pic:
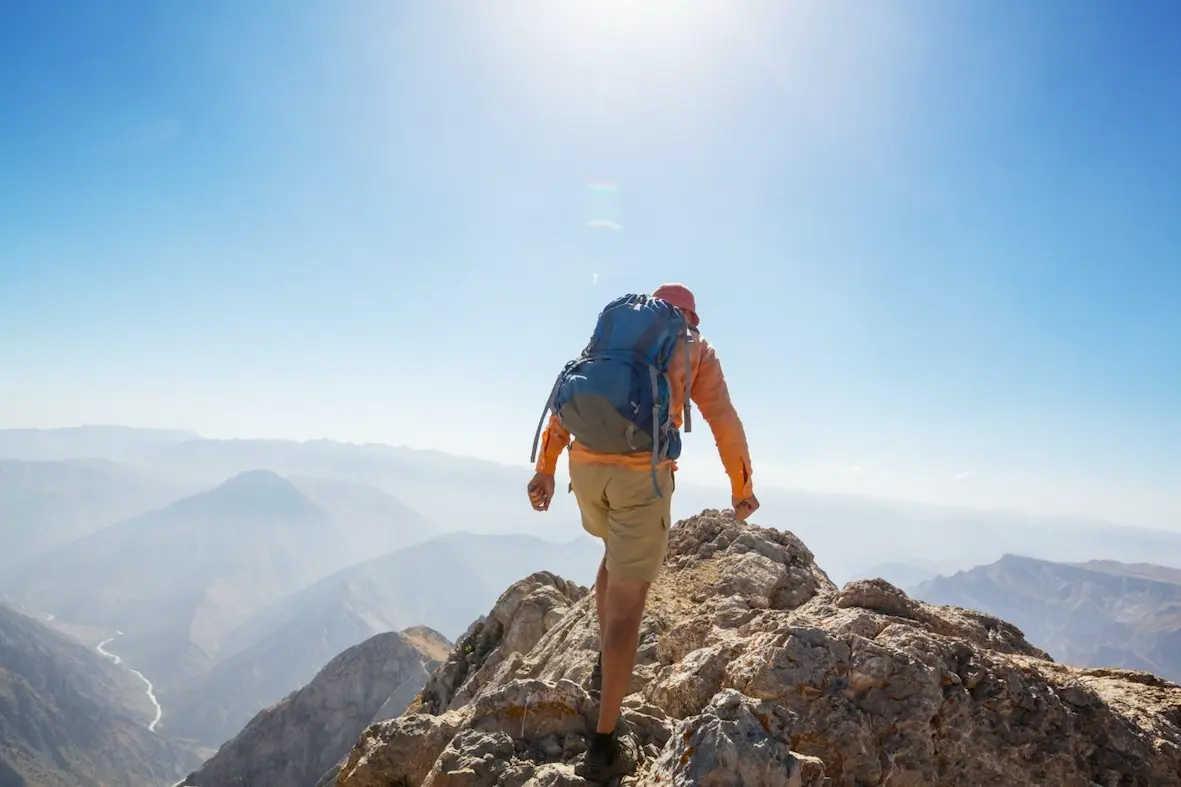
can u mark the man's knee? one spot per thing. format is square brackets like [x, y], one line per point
[625, 601]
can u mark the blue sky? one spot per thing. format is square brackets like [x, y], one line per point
[938, 245]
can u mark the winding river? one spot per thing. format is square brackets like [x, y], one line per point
[147, 683]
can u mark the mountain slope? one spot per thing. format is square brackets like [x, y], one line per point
[178, 579]
[1096, 614]
[67, 717]
[444, 583]
[295, 742]
[44, 504]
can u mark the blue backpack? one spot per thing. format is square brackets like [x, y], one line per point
[615, 397]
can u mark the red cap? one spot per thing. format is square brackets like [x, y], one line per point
[680, 296]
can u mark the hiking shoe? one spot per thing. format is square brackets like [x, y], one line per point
[614, 759]
[596, 679]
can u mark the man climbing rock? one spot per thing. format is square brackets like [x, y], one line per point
[622, 402]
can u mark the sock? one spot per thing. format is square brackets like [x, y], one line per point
[602, 742]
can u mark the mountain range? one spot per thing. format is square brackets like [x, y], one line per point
[850, 534]
[176, 580]
[447, 581]
[231, 597]
[229, 573]
[45, 504]
[1101, 613]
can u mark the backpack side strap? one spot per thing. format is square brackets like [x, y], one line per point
[688, 404]
[549, 404]
[657, 428]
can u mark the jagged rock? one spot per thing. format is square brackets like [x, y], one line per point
[400, 751]
[753, 668]
[532, 709]
[689, 685]
[520, 617]
[472, 759]
[734, 742]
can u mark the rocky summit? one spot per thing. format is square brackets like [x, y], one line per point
[755, 669]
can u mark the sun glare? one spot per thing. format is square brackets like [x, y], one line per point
[662, 23]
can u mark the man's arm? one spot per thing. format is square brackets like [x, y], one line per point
[553, 441]
[710, 393]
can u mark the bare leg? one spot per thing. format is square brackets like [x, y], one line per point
[601, 580]
[624, 612]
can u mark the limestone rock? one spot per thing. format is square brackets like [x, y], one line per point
[519, 619]
[753, 668]
[400, 751]
[734, 742]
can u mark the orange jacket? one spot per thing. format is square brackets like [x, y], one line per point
[707, 390]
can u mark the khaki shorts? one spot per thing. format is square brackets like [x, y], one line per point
[620, 506]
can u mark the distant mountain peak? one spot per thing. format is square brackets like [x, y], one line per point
[257, 479]
[259, 492]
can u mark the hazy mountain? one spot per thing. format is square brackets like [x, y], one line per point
[69, 718]
[1095, 614]
[296, 741]
[371, 521]
[214, 705]
[445, 583]
[847, 533]
[176, 580]
[44, 504]
[440, 486]
[117, 443]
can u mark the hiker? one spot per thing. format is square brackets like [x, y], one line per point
[622, 463]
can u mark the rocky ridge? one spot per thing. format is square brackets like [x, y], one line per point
[300, 741]
[755, 669]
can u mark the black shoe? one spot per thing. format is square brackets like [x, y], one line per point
[609, 759]
[596, 679]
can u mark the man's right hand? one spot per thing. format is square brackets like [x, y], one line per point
[744, 506]
[541, 491]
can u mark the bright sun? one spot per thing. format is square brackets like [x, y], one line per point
[654, 22]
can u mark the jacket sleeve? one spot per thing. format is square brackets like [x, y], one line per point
[712, 397]
[553, 441]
